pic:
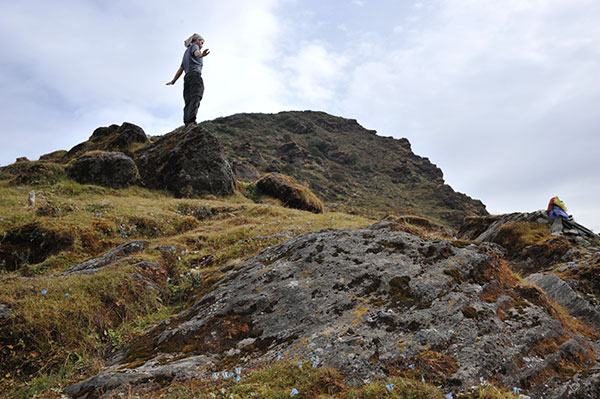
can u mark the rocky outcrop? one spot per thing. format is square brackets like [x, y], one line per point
[369, 302]
[290, 192]
[525, 238]
[559, 291]
[108, 169]
[97, 264]
[113, 138]
[186, 162]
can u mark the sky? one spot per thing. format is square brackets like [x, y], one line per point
[502, 95]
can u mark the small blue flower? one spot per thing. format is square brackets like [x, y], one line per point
[43, 234]
[516, 390]
[315, 363]
[179, 258]
[411, 366]
[238, 378]
[67, 295]
[155, 229]
[168, 221]
[279, 357]
[168, 279]
[294, 392]
[307, 222]
[215, 376]
[238, 370]
[44, 292]
[299, 365]
[390, 387]
[164, 232]
[299, 228]
[450, 396]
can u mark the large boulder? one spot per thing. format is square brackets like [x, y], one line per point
[186, 162]
[369, 302]
[109, 169]
[290, 192]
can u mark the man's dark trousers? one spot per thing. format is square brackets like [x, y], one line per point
[193, 90]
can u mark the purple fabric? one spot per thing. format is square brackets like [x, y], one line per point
[557, 212]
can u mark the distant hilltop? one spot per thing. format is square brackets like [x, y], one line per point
[349, 167]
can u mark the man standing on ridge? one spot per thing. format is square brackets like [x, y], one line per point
[193, 85]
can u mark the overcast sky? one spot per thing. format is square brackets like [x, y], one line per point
[502, 95]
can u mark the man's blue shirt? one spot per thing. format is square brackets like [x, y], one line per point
[190, 62]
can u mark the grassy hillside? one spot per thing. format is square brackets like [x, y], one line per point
[348, 166]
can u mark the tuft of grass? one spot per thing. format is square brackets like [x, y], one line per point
[290, 192]
[58, 319]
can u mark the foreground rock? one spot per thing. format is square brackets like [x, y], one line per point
[186, 162]
[368, 302]
[108, 169]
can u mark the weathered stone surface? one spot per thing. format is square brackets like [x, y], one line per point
[559, 291]
[366, 302]
[109, 169]
[96, 264]
[186, 162]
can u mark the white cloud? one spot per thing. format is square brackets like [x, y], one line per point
[315, 72]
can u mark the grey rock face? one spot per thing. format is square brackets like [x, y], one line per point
[367, 301]
[487, 228]
[96, 264]
[559, 291]
[109, 169]
[187, 161]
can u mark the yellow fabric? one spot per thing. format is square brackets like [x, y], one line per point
[558, 202]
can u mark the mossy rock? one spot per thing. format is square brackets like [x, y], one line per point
[108, 169]
[290, 192]
[25, 172]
